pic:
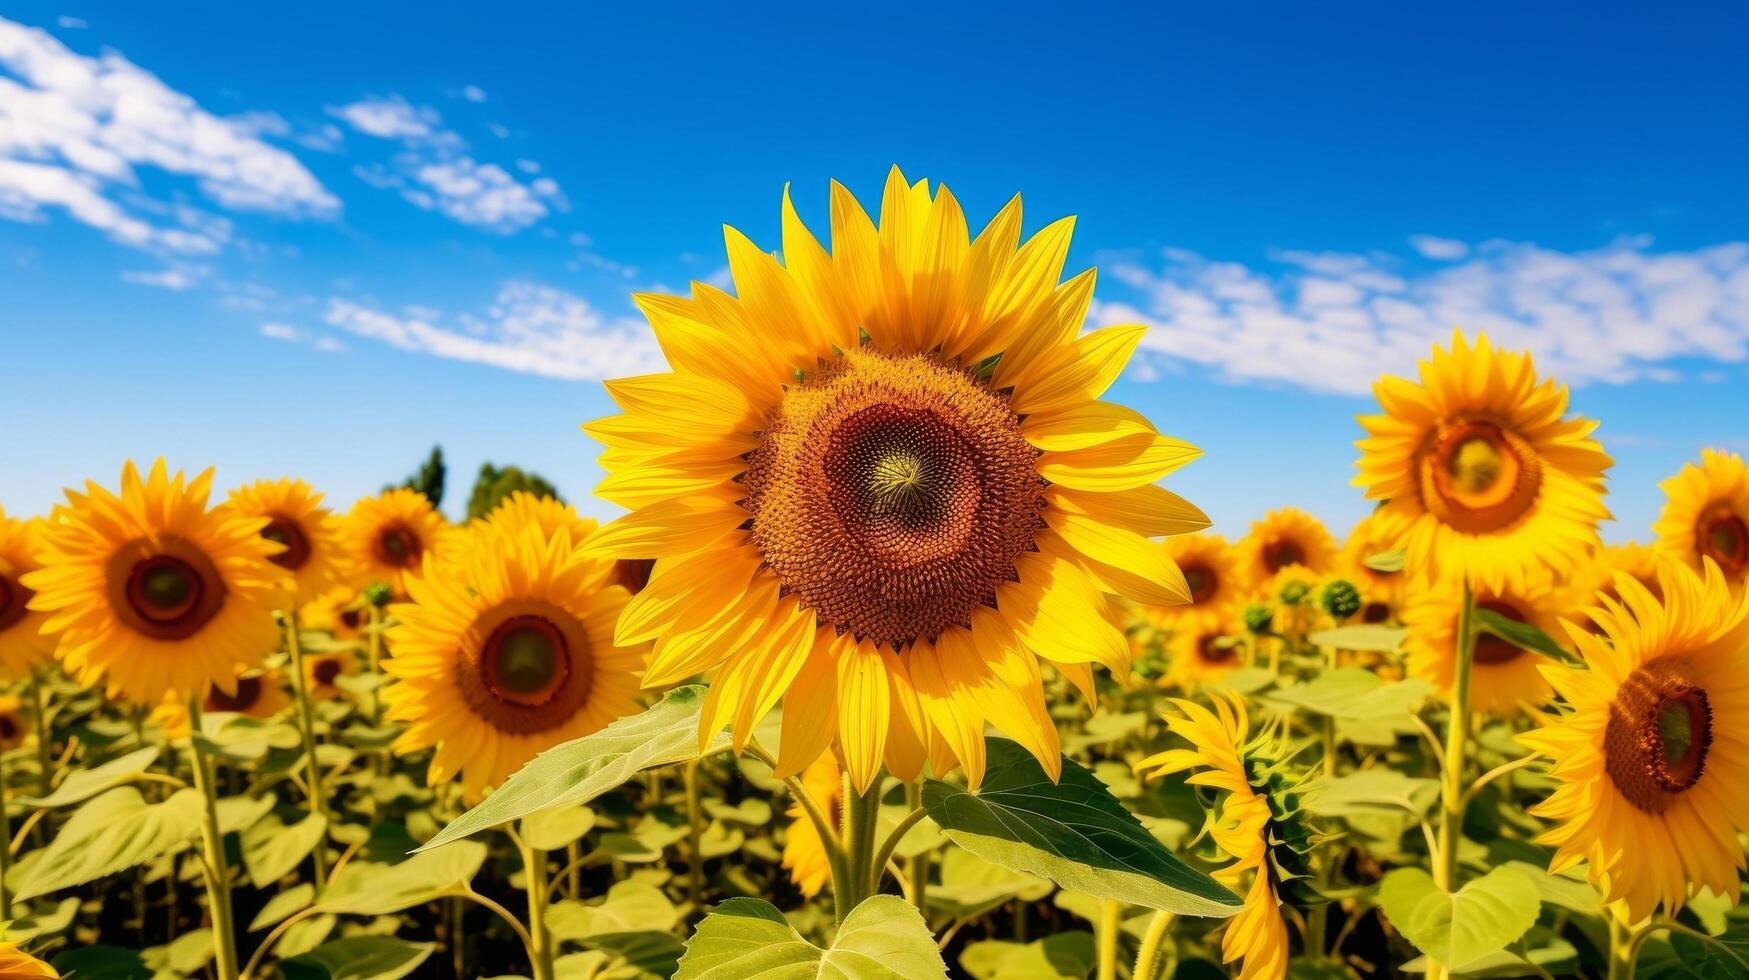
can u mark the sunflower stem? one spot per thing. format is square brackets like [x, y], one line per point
[1110, 922]
[694, 838]
[5, 848]
[307, 727]
[44, 749]
[1452, 786]
[861, 809]
[1148, 957]
[379, 756]
[218, 873]
[534, 871]
[918, 864]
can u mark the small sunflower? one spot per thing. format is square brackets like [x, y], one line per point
[1202, 654]
[296, 520]
[1381, 592]
[1502, 676]
[388, 535]
[15, 727]
[322, 670]
[1652, 755]
[1212, 573]
[804, 854]
[506, 650]
[1244, 824]
[16, 964]
[1286, 536]
[339, 612]
[880, 478]
[259, 694]
[1483, 475]
[151, 592]
[1706, 514]
[22, 644]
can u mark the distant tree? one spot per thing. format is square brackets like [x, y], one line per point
[494, 484]
[427, 479]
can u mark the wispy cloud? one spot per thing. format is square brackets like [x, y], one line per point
[296, 335]
[75, 130]
[176, 279]
[1333, 322]
[530, 328]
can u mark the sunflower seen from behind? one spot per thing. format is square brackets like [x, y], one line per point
[1502, 676]
[22, 643]
[150, 592]
[387, 537]
[1706, 515]
[506, 649]
[1651, 753]
[1482, 474]
[879, 485]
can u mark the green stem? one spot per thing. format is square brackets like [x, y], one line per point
[307, 725]
[5, 846]
[1148, 958]
[1452, 787]
[919, 863]
[534, 870]
[1110, 921]
[218, 873]
[44, 738]
[860, 813]
[1623, 950]
[379, 756]
[694, 838]
[830, 839]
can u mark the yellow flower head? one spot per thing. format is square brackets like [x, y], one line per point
[521, 508]
[1217, 585]
[506, 650]
[1706, 514]
[308, 533]
[879, 485]
[259, 694]
[1503, 676]
[22, 643]
[804, 854]
[1483, 475]
[1381, 592]
[1284, 537]
[151, 592]
[1652, 757]
[388, 535]
[15, 728]
[339, 612]
[1598, 577]
[1202, 654]
[16, 964]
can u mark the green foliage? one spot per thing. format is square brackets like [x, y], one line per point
[111, 833]
[1483, 917]
[882, 938]
[427, 479]
[359, 958]
[1522, 635]
[370, 888]
[494, 484]
[1340, 599]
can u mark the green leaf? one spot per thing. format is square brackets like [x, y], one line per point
[365, 888]
[1553, 954]
[630, 906]
[111, 833]
[1484, 916]
[1073, 832]
[359, 958]
[646, 950]
[183, 956]
[82, 784]
[1370, 791]
[1353, 694]
[1363, 636]
[271, 849]
[553, 830]
[102, 963]
[1386, 561]
[1063, 956]
[1521, 635]
[293, 899]
[27, 927]
[882, 938]
[971, 886]
[582, 769]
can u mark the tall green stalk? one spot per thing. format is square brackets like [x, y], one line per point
[534, 871]
[1452, 786]
[307, 725]
[218, 873]
[1110, 924]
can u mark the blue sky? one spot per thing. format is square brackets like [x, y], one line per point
[315, 241]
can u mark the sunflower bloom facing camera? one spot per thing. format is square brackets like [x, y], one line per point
[308, 532]
[1652, 756]
[1706, 515]
[1502, 676]
[1283, 538]
[1483, 475]
[149, 592]
[878, 484]
[505, 650]
[387, 536]
[22, 643]
[1217, 585]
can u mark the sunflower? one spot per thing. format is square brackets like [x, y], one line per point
[322, 670]
[521, 508]
[879, 485]
[1482, 474]
[804, 854]
[1286, 536]
[1652, 759]
[506, 650]
[1293, 590]
[387, 536]
[1706, 514]
[150, 592]
[339, 612]
[16, 964]
[22, 644]
[1217, 588]
[1201, 654]
[1598, 577]
[296, 519]
[1381, 592]
[259, 694]
[1243, 825]
[15, 728]
[1502, 675]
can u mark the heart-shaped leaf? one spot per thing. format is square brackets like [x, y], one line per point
[1484, 916]
[882, 938]
[111, 833]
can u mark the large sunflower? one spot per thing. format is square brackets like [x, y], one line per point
[1706, 514]
[1212, 573]
[1483, 475]
[150, 592]
[296, 519]
[1653, 756]
[804, 853]
[1502, 675]
[1381, 592]
[387, 536]
[1241, 826]
[1286, 536]
[506, 650]
[22, 643]
[879, 485]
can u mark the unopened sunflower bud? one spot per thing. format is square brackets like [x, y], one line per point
[378, 594]
[1340, 599]
[1293, 593]
[1258, 618]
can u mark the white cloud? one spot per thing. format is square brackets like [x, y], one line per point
[75, 130]
[175, 279]
[295, 335]
[389, 118]
[474, 93]
[1334, 322]
[1439, 249]
[281, 331]
[530, 328]
[70, 23]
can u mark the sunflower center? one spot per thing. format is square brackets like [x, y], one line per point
[1660, 729]
[1724, 537]
[1491, 649]
[325, 671]
[14, 598]
[283, 530]
[248, 692]
[398, 546]
[1375, 612]
[1478, 478]
[1211, 651]
[1282, 552]
[524, 660]
[525, 667]
[1203, 582]
[893, 494]
[10, 729]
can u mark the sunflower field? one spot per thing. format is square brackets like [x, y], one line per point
[901, 661]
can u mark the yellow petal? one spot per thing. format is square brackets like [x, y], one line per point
[864, 711]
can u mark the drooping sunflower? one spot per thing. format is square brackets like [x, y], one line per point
[151, 592]
[506, 650]
[1652, 756]
[1243, 825]
[22, 644]
[15, 728]
[1502, 676]
[1483, 475]
[1283, 537]
[259, 694]
[16, 964]
[1212, 573]
[296, 519]
[879, 484]
[1706, 514]
[804, 854]
[388, 535]
[1381, 592]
